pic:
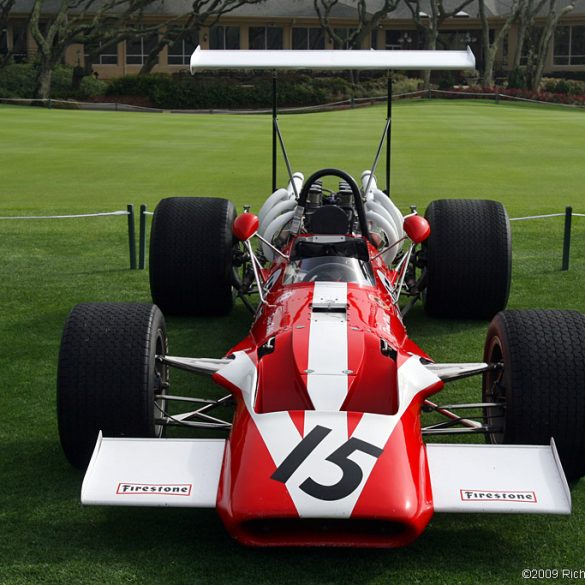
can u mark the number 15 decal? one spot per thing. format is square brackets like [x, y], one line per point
[352, 472]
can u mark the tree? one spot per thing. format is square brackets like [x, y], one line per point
[490, 49]
[430, 23]
[74, 21]
[528, 10]
[367, 21]
[203, 12]
[107, 35]
[538, 40]
[5, 8]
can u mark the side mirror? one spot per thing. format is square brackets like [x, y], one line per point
[417, 228]
[245, 226]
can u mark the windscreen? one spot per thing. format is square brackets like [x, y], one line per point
[329, 269]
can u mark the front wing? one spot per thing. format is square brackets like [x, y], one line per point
[464, 478]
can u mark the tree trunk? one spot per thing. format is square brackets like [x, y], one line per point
[545, 42]
[488, 66]
[44, 76]
[521, 39]
[432, 36]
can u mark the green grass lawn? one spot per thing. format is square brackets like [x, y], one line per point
[56, 161]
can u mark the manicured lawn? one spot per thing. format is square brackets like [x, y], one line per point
[65, 162]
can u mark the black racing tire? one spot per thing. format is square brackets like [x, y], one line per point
[191, 246]
[542, 385]
[468, 259]
[108, 375]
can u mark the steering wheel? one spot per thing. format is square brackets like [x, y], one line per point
[338, 270]
[357, 198]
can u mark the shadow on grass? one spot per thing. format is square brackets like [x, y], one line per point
[160, 545]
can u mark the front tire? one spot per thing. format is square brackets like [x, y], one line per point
[541, 388]
[191, 247]
[468, 259]
[108, 375]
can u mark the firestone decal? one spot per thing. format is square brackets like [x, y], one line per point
[150, 489]
[497, 496]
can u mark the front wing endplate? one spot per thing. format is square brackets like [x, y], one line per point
[154, 472]
[498, 478]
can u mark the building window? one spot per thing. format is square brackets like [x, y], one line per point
[137, 50]
[3, 42]
[569, 45]
[401, 40]
[19, 47]
[224, 37]
[182, 48]
[106, 56]
[308, 38]
[265, 37]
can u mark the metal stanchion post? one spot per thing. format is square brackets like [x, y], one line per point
[567, 238]
[131, 236]
[142, 239]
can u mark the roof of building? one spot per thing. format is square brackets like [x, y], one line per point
[304, 9]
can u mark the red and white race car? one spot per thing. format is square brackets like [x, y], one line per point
[326, 445]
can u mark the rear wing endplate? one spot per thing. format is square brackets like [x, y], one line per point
[332, 60]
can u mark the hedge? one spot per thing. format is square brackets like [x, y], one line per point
[252, 91]
[19, 81]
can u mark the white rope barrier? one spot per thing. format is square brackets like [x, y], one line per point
[66, 216]
[118, 106]
[545, 216]
[466, 94]
[538, 216]
[521, 99]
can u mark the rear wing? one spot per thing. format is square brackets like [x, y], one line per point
[332, 60]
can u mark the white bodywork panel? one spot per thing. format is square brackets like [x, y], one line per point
[340, 59]
[327, 381]
[498, 478]
[154, 472]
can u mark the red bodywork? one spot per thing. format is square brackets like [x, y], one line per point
[375, 490]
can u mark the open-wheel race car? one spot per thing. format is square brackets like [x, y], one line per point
[325, 445]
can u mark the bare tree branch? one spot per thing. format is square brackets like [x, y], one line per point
[538, 54]
[367, 21]
[203, 13]
[78, 21]
[5, 8]
[490, 49]
[429, 24]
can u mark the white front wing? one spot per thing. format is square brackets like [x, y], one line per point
[154, 472]
[464, 478]
[498, 478]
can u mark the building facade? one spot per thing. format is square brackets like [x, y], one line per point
[279, 24]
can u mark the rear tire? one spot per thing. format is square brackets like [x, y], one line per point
[191, 256]
[542, 385]
[108, 375]
[468, 259]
